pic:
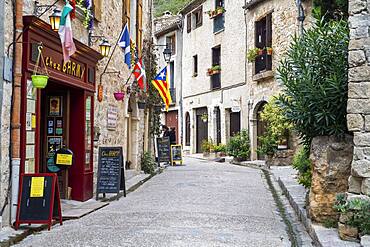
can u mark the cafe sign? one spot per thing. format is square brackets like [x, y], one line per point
[70, 68]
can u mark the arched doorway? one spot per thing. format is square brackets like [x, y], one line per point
[261, 125]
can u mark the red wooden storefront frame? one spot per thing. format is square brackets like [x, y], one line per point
[35, 31]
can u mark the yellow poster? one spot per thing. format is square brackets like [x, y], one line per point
[37, 187]
[33, 121]
[64, 159]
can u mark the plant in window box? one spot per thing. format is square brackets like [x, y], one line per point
[120, 94]
[204, 117]
[269, 51]
[216, 69]
[261, 52]
[252, 54]
[220, 10]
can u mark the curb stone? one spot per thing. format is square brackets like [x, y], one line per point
[27, 232]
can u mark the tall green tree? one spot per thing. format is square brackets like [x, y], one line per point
[174, 6]
[331, 9]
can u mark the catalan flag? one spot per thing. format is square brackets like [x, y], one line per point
[160, 82]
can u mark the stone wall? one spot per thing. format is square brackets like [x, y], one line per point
[358, 109]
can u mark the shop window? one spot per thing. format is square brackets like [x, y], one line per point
[198, 17]
[88, 133]
[187, 129]
[126, 13]
[263, 39]
[195, 65]
[188, 23]
[216, 62]
[171, 42]
[139, 27]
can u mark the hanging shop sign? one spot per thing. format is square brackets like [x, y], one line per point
[63, 157]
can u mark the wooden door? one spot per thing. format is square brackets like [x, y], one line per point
[234, 123]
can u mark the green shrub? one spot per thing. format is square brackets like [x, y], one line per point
[239, 146]
[358, 211]
[147, 163]
[302, 164]
[277, 128]
[315, 80]
[220, 148]
[207, 146]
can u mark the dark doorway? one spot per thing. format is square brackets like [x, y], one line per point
[217, 113]
[202, 129]
[261, 126]
[234, 123]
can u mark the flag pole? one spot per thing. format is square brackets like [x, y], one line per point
[111, 55]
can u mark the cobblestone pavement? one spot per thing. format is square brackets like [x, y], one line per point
[199, 204]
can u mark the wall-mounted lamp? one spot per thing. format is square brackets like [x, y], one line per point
[167, 52]
[104, 45]
[54, 18]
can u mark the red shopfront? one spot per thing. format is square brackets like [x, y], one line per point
[62, 114]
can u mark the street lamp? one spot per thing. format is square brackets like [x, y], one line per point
[55, 19]
[39, 10]
[105, 48]
[167, 53]
[104, 45]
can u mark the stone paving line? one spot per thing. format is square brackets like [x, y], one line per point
[199, 204]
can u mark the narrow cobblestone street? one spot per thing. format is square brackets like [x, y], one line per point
[199, 204]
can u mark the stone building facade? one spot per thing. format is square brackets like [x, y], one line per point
[168, 33]
[358, 108]
[130, 125]
[270, 23]
[215, 104]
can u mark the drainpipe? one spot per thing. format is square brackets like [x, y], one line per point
[15, 111]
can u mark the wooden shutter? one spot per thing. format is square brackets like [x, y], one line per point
[269, 30]
[97, 9]
[188, 23]
[126, 13]
[139, 26]
[200, 16]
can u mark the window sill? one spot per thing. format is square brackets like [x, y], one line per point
[219, 31]
[264, 75]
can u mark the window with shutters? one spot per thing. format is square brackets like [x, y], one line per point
[126, 13]
[263, 39]
[171, 42]
[188, 23]
[139, 27]
[198, 17]
[195, 65]
[216, 61]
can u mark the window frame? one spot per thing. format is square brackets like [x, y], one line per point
[198, 22]
[263, 39]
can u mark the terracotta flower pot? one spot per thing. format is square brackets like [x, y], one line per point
[260, 52]
[269, 51]
[119, 96]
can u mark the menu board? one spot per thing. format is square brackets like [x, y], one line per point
[163, 147]
[176, 154]
[109, 170]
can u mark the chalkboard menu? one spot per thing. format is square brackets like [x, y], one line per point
[163, 147]
[109, 170]
[39, 200]
[176, 154]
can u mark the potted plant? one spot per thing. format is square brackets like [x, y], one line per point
[119, 96]
[252, 54]
[204, 117]
[40, 80]
[220, 10]
[260, 52]
[141, 99]
[269, 51]
[216, 69]
[209, 72]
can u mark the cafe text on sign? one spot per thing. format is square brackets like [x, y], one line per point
[69, 68]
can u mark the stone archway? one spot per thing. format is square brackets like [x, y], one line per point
[258, 128]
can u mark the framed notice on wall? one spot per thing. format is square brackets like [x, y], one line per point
[55, 106]
[112, 117]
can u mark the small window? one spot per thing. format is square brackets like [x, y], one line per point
[263, 39]
[216, 63]
[171, 42]
[195, 65]
[198, 17]
[188, 23]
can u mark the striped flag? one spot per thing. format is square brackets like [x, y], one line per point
[124, 43]
[160, 82]
[65, 33]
